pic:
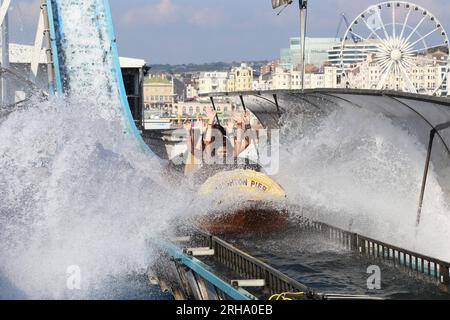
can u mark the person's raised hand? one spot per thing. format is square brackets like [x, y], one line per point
[187, 125]
[211, 115]
[237, 117]
[247, 117]
[230, 126]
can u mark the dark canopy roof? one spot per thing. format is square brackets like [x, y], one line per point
[419, 114]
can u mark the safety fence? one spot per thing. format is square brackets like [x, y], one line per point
[201, 283]
[432, 268]
[196, 280]
[250, 267]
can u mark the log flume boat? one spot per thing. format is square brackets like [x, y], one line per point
[247, 202]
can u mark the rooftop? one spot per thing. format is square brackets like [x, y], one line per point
[157, 80]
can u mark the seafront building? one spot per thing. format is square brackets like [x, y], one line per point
[323, 69]
[316, 52]
[241, 78]
[425, 75]
[159, 93]
[351, 53]
[210, 82]
[283, 79]
[237, 79]
[192, 90]
[162, 104]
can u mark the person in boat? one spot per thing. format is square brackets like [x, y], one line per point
[213, 148]
[212, 162]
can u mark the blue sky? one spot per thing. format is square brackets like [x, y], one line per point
[197, 31]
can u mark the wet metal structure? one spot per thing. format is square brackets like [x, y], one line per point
[204, 267]
[425, 117]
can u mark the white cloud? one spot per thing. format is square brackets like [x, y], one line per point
[163, 12]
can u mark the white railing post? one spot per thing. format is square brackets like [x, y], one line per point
[5, 48]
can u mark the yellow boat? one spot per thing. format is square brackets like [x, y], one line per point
[247, 202]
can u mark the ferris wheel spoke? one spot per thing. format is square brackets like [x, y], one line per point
[443, 80]
[381, 58]
[410, 84]
[386, 68]
[408, 63]
[423, 38]
[357, 35]
[385, 76]
[428, 48]
[371, 29]
[405, 23]
[415, 29]
[386, 34]
[393, 21]
[371, 33]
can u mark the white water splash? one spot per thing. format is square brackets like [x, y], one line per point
[76, 190]
[357, 170]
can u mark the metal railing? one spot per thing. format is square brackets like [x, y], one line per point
[199, 281]
[251, 268]
[432, 268]
[344, 238]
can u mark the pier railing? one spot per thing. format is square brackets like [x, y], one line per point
[252, 272]
[431, 268]
[252, 268]
[249, 267]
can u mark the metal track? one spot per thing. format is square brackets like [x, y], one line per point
[432, 268]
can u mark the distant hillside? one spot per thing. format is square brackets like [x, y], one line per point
[190, 68]
[440, 48]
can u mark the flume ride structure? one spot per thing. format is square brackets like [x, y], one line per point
[85, 57]
[82, 59]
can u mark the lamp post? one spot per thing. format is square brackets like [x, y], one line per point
[303, 10]
[303, 7]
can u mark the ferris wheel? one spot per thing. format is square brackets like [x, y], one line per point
[396, 38]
